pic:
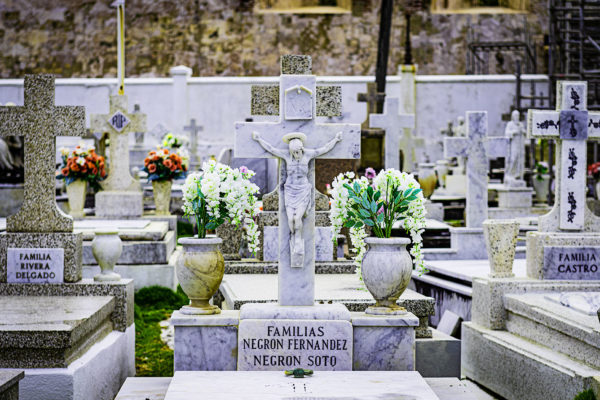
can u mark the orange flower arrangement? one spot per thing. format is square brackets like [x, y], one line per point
[162, 165]
[82, 163]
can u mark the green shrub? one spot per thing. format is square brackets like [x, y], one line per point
[159, 297]
[586, 395]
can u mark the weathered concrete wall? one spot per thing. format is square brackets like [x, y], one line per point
[77, 38]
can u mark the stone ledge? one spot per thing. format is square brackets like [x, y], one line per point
[406, 320]
[225, 318]
[138, 252]
[122, 291]
[70, 242]
[118, 204]
[275, 311]
[272, 267]
[9, 379]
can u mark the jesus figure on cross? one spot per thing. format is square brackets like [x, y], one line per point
[297, 188]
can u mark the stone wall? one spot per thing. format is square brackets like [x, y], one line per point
[77, 38]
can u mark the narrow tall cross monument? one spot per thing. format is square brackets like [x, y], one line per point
[40, 228]
[571, 126]
[40, 122]
[193, 129]
[121, 195]
[397, 138]
[296, 140]
[477, 148]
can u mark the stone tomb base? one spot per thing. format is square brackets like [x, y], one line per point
[268, 337]
[118, 204]
[69, 242]
[323, 385]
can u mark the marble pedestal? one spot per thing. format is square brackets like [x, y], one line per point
[271, 337]
[119, 204]
[465, 244]
[515, 197]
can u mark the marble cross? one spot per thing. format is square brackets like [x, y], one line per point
[372, 98]
[193, 129]
[40, 121]
[306, 140]
[477, 148]
[396, 136]
[571, 126]
[119, 123]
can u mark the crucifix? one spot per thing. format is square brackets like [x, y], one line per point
[397, 138]
[40, 122]
[571, 126]
[477, 148]
[297, 140]
[193, 129]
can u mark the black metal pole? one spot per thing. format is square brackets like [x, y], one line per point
[407, 47]
[383, 45]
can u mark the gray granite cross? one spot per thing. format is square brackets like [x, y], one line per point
[477, 148]
[193, 129]
[40, 121]
[297, 126]
[571, 126]
[119, 123]
[396, 137]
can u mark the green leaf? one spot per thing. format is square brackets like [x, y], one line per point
[368, 222]
[364, 213]
[350, 214]
[356, 187]
[349, 224]
[358, 224]
[380, 218]
[348, 187]
[373, 207]
[370, 190]
[365, 203]
[377, 195]
[401, 210]
[407, 192]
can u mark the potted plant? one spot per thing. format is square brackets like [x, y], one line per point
[213, 196]
[541, 181]
[78, 168]
[379, 203]
[162, 166]
[171, 141]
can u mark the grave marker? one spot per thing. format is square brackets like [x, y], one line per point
[396, 137]
[265, 140]
[193, 129]
[477, 148]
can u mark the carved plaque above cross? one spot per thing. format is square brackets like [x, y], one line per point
[40, 122]
[572, 126]
[118, 123]
[297, 127]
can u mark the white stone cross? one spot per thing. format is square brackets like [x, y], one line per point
[396, 136]
[119, 123]
[306, 140]
[477, 148]
[193, 129]
[40, 121]
[571, 125]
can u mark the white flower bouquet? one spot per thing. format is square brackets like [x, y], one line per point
[388, 197]
[219, 194]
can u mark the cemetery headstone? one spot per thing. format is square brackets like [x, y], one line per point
[568, 242]
[121, 195]
[477, 148]
[39, 245]
[193, 129]
[397, 139]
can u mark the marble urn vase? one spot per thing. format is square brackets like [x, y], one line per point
[541, 187]
[107, 248]
[427, 178]
[501, 242]
[200, 269]
[162, 196]
[386, 270]
[76, 192]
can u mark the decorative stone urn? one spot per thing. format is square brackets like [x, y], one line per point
[200, 269]
[501, 242]
[107, 248]
[386, 270]
[76, 192]
[541, 188]
[427, 178]
[442, 168]
[162, 196]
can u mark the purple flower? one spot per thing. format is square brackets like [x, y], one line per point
[244, 169]
[370, 173]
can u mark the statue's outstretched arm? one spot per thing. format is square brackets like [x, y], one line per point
[328, 146]
[268, 147]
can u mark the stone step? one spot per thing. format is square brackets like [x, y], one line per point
[51, 331]
[539, 319]
[271, 267]
[138, 252]
[518, 369]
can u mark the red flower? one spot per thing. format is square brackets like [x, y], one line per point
[165, 151]
[152, 168]
[65, 171]
[146, 161]
[167, 163]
